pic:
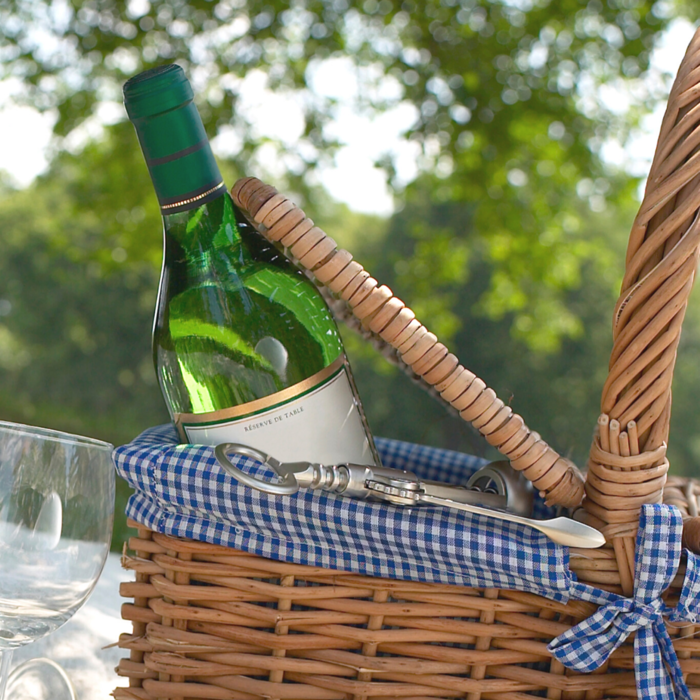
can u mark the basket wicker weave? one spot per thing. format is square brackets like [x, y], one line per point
[256, 631]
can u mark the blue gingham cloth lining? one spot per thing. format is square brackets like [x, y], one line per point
[180, 490]
[588, 645]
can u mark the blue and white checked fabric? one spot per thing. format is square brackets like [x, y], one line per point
[180, 490]
[588, 645]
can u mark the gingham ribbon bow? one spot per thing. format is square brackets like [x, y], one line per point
[588, 645]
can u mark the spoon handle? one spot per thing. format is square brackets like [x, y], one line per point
[564, 531]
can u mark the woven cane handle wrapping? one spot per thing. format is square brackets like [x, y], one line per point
[628, 464]
[388, 318]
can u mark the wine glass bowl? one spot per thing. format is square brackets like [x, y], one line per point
[39, 679]
[56, 514]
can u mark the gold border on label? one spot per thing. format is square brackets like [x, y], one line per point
[261, 404]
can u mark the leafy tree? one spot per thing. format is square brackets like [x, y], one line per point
[76, 309]
[504, 97]
[74, 334]
[558, 391]
[75, 313]
[509, 245]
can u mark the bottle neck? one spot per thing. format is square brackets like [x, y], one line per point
[179, 159]
[202, 230]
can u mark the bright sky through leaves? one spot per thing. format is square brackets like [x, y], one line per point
[352, 177]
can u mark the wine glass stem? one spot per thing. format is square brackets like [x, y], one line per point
[5, 660]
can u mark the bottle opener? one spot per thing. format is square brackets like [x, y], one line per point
[495, 491]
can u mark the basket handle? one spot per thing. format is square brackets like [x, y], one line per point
[392, 323]
[628, 464]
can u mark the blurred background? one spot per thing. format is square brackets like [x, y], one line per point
[484, 158]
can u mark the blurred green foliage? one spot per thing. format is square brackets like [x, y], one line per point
[504, 96]
[509, 245]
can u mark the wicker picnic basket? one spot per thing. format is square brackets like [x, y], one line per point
[213, 622]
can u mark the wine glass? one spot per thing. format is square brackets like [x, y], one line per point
[39, 679]
[56, 514]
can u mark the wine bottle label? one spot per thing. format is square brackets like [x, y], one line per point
[317, 420]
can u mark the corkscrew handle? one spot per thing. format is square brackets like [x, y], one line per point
[288, 484]
[348, 479]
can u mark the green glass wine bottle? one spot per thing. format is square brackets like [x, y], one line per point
[245, 347]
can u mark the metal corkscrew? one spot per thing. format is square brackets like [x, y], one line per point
[495, 491]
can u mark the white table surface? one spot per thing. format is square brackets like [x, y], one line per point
[78, 646]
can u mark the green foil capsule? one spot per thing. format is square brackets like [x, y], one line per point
[160, 104]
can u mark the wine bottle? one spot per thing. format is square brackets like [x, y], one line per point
[245, 347]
